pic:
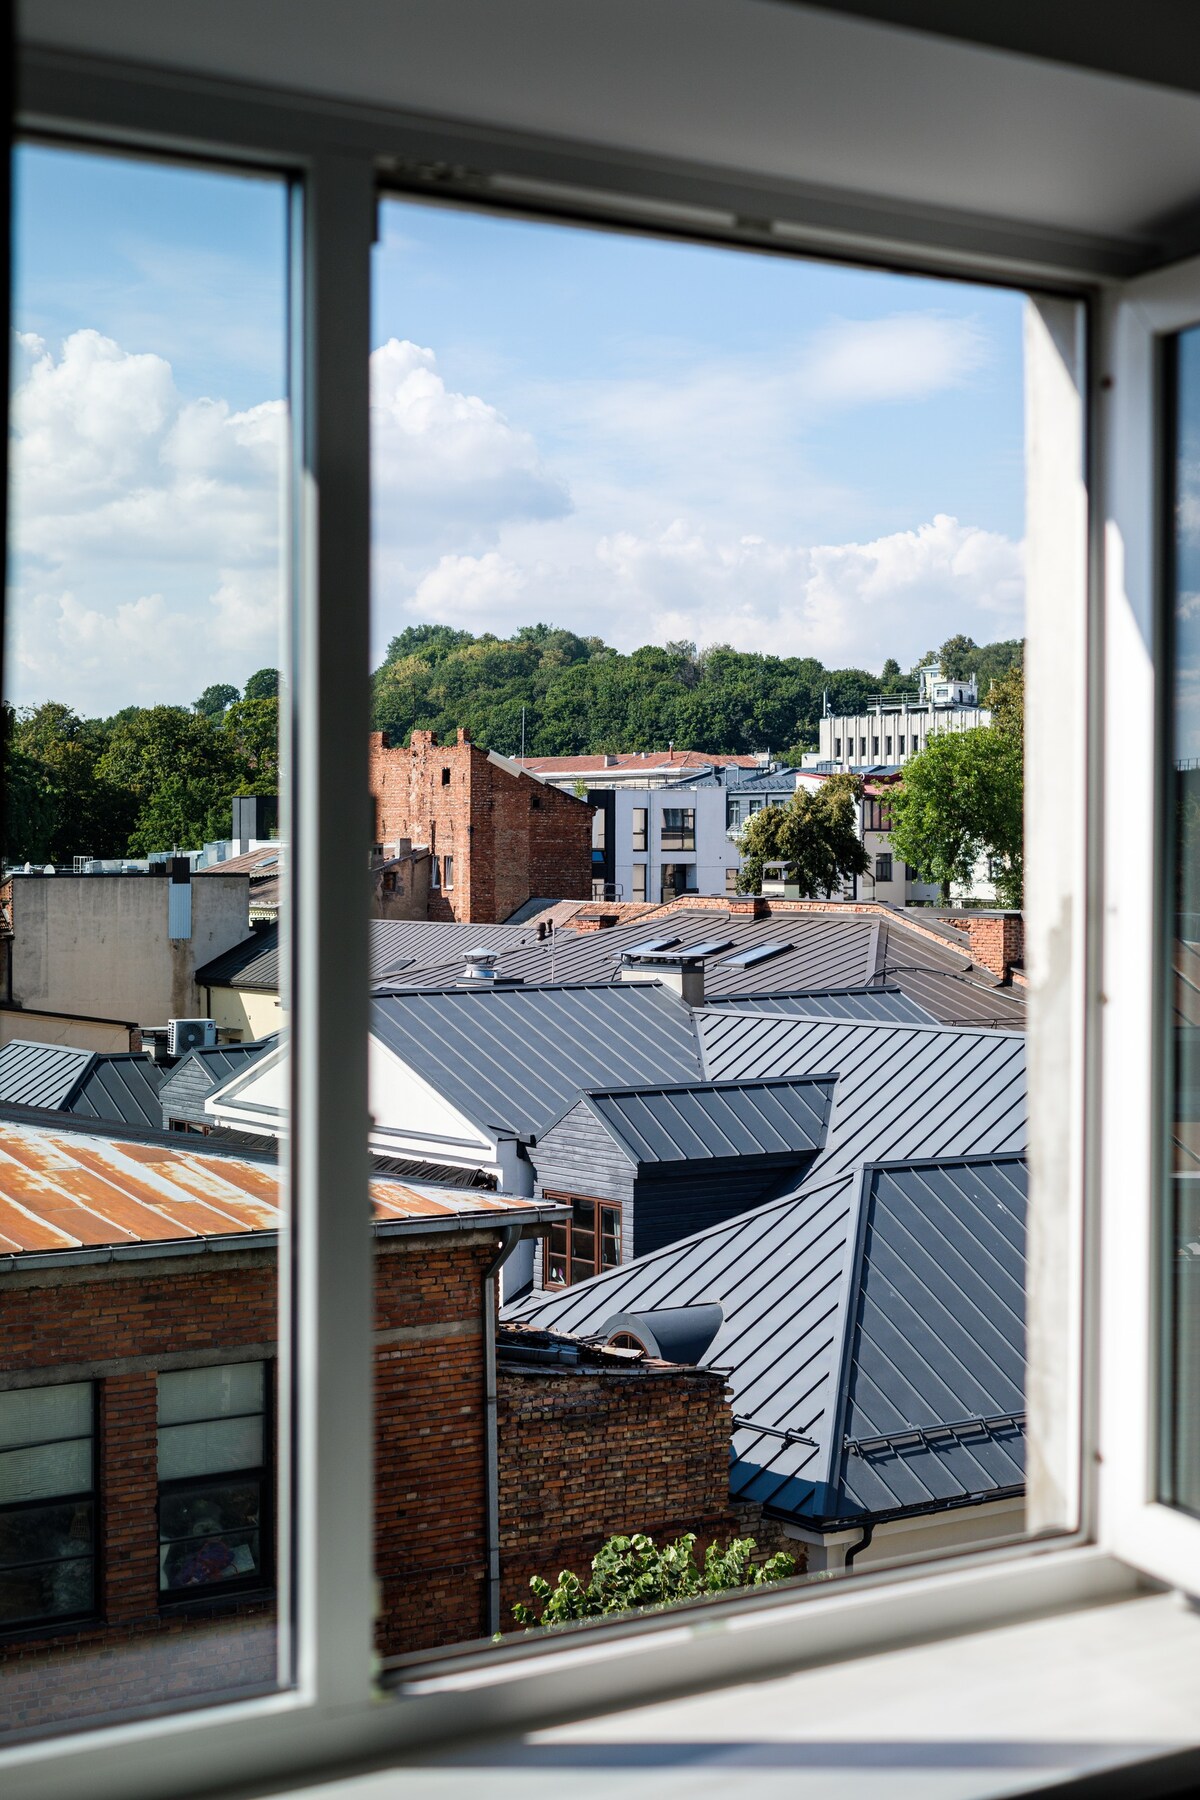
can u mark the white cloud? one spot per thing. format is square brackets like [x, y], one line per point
[851, 603]
[448, 468]
[904, 357]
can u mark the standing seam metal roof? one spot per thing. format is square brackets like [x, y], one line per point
[713, 1120]
[872, 1335]
[121, 1088]
[881, 1005]
[902, 1091]
[513, 1058]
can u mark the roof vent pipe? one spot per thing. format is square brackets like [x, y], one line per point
[480, 965]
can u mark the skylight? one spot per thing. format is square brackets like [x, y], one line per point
[652, 946]
[759, 953]
[710, 948]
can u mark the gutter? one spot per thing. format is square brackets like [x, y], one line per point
[491, 1444]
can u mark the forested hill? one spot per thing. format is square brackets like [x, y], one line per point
[160, 777]
[580, 695]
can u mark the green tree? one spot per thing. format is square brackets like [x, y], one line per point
[262, 685]
[958, 657]
[632, 1572]
[962, 798]
[252, 730]
[215, 700]
[181, 771]
[815, 834]
[79, 812]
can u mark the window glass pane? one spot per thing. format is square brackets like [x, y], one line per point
[209, 1448]
[1179, 1471]
[145, 861]
[37, 1474]
[185, 1394]
[210, 1536]
[594, 578]
[34, 1415]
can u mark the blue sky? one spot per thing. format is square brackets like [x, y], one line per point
[629, 437]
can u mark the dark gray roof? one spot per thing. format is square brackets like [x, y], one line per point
[872, 1333]
[34, 1074]
[903, 1091]
[201, 1071]
[254, 963]
[820, 950]
[881, 1005]
[710, 1121]
[733, 776]
[122, 1088]
[395, 944]
[512, 1058]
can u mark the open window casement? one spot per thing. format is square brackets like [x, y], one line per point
[1149, 1498]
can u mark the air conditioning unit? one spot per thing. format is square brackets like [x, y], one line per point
[190, 1034]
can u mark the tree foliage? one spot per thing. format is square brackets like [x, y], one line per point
[815, 834]
[214, 701]
[962, 798]
[262, 685]
[631, 1572]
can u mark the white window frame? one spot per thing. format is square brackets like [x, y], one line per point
[1135, 322]
[332, 1711]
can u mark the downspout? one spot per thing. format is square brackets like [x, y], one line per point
[491, 1449]
[862, 1544]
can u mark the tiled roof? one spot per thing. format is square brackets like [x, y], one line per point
[872, 1333]
[77, 1190]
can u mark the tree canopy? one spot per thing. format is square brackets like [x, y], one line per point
[815, 834]
[963, 797]
[581, 696]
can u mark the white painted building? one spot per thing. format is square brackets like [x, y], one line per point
[895, 727]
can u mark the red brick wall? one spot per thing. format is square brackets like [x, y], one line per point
[588, 1453]
[512, 838]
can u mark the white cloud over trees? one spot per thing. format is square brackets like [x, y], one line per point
[147, 523]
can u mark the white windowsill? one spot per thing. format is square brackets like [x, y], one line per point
[1011, 1710]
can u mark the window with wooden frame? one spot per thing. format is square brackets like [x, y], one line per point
[585, 1244]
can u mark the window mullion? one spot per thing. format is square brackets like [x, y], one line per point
[328, 958]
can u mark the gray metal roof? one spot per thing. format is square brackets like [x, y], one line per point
[903, 1091]
[714, 1120]
[34, 1074]
[880, 1005]
[121, 1089]
[212, 1064]
[820, 950]
[395, 944]
[512, 1059]
[872, 1333]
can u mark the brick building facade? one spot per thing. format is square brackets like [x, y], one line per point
[620, 1448]
[496, 835]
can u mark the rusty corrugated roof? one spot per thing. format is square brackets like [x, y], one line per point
[66, 1190]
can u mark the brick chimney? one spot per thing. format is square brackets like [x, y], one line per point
[997, 940]
[593, 921]
[749, 906]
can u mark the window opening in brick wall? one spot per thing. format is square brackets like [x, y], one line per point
[47, 1505]
[213, 1482]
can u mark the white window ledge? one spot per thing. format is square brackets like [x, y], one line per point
[1104, 1690]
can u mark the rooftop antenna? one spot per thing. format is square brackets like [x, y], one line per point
[825, 702]
[522, 734]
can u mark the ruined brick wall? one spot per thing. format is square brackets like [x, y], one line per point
[512, 838]
[586, 1453]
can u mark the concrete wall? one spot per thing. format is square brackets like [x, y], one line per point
[98, 944]
[55, 1028]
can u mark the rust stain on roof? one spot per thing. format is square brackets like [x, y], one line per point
[70, 1191]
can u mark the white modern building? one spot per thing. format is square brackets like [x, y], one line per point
[894, 727]
[655, 843]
